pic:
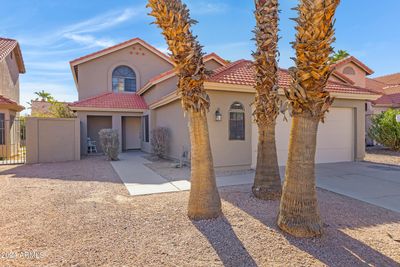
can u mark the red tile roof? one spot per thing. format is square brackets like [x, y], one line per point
[389, 79]
[375, 85]
[128, 101]
[242, 73]
[6, 47]
[355, 61]
[10, 104]
[392, 100]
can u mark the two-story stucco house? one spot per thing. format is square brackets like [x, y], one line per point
[11, 66]
[131, 87]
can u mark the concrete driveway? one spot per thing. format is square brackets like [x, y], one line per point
[377, 184]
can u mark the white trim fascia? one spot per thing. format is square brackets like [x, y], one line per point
[229, 87]
[355, 96]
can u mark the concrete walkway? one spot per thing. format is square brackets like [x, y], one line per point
[141, 180]
[373, 183]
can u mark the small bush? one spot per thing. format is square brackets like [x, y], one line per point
[109, 142]
[159, 141]
[386, 130]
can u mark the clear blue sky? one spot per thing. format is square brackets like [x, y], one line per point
[52, 33]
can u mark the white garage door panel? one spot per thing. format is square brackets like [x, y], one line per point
[334, 141]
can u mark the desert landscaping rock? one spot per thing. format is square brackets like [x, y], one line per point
[382, 155]
[80, 214]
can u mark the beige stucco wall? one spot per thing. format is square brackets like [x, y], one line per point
[359, 78]
[229, 153]
[52, 140]
[226, 153]
[9, 78]
[94, 77]
[171, 116]
[160, 90]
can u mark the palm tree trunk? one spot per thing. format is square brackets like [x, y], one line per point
[267, 182]
[204, 200]
[299, 213]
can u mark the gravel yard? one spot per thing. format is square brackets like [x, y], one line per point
[80, 214]
[382, 155]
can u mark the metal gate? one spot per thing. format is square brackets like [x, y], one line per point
[12, 141]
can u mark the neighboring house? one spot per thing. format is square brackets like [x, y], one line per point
[131, 87]
[40, 107]
[353, 72]
[11, 66]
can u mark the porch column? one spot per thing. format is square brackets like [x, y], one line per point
[117, 125]
[83, 125]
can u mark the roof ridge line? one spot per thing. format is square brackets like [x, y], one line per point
[91, 98]
[223, 69]
[383, 76]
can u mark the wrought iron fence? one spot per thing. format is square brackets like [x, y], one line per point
[12, 141]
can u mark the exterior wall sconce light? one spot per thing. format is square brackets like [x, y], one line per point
[218, 115]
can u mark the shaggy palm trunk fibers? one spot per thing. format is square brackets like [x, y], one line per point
[299, 214]
[267, 182]
[204, 200]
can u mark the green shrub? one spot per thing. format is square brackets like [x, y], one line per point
[386, 130]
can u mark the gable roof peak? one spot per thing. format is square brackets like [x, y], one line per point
[355, 61]
[117, 47]
[7, 45]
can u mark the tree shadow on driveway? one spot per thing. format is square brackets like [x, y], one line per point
[340, 213]
[225, 242]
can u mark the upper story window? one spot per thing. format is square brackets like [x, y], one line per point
[123, 79]
[236, 122]
[349, 71]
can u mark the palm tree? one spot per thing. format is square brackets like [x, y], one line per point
[309, 101]
[267, 182]
[340, 54]
[173, 17]
[44, 96]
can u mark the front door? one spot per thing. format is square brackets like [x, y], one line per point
[131, 132]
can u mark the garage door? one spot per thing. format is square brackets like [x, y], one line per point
[335, 141]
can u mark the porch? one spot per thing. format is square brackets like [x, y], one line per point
[128, 126]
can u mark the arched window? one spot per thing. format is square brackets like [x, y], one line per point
[349, 71]
[123, 79]
[236, 122]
